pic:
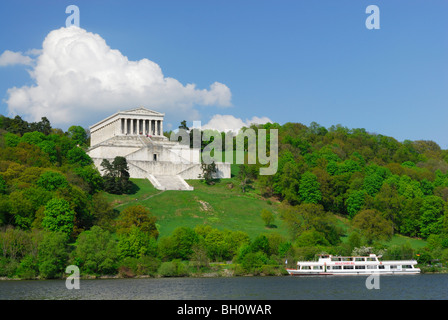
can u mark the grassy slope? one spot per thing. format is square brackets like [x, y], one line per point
[218, 206]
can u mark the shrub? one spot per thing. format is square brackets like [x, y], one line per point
[167, 269]
[253, 262]
[96, 251]
[52, 254]
[175, 268]
[28, 268]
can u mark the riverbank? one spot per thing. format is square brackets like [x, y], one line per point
[215, 271]
[178, 269]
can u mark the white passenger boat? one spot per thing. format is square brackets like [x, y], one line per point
[354, 265]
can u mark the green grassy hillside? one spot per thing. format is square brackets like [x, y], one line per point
[221, 206]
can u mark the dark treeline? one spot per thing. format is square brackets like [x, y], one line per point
[19, 126]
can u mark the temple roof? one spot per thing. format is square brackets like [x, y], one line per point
[140, 111]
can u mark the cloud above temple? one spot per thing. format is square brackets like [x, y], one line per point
[79, 79]
[230, 123]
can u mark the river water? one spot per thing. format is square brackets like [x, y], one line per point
[407, 287]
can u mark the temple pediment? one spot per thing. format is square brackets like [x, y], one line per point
[141, 111]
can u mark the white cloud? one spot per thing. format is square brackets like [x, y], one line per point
[10, 58]
[79, 79]
[230, 123]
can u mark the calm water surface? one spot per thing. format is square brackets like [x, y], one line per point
[427, 286]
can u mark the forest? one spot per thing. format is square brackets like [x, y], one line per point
[54, 209]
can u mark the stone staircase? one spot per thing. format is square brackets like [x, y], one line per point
[171, 182]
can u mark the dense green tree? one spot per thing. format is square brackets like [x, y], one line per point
[78, 156]
[432, 211]
[390, 203]
[372, 225]
[268, 217]
[11, 140]
[253, 261]
[208, 172]
[116, 177]
[355, 202]
[92, 177]
[309, 188]
[166, 249]
[409, 217]
[310, 216]
[43, 126]
[96, 251]
[184, 239]
[103, 212]
[216, 245]
[260, 243]
[136, 244]
[373, 183]
[246, 175]
[287, 183]
[3, 186]
[140, 217]
[53, 255]
[21, 209]
[311, 238]
[409, 188]
[52, 180]
[33, 137]
[78, 135]
[50, 148]
[59, 216]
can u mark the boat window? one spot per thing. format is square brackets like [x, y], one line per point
[360, 259]
[406, 266]
[374, 267]
[360, 267]
[335, 259]
[381, 267]
[393, 266]
[348, 267]
[317, 267]
[371, 259]
[347, 259]
[305, 267]
[337, 267]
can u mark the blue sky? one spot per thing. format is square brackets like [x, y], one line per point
[289, 61]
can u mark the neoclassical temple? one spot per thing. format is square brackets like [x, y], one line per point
[137, 135]
[138, 121]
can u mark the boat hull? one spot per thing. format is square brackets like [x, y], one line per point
[295, 272]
